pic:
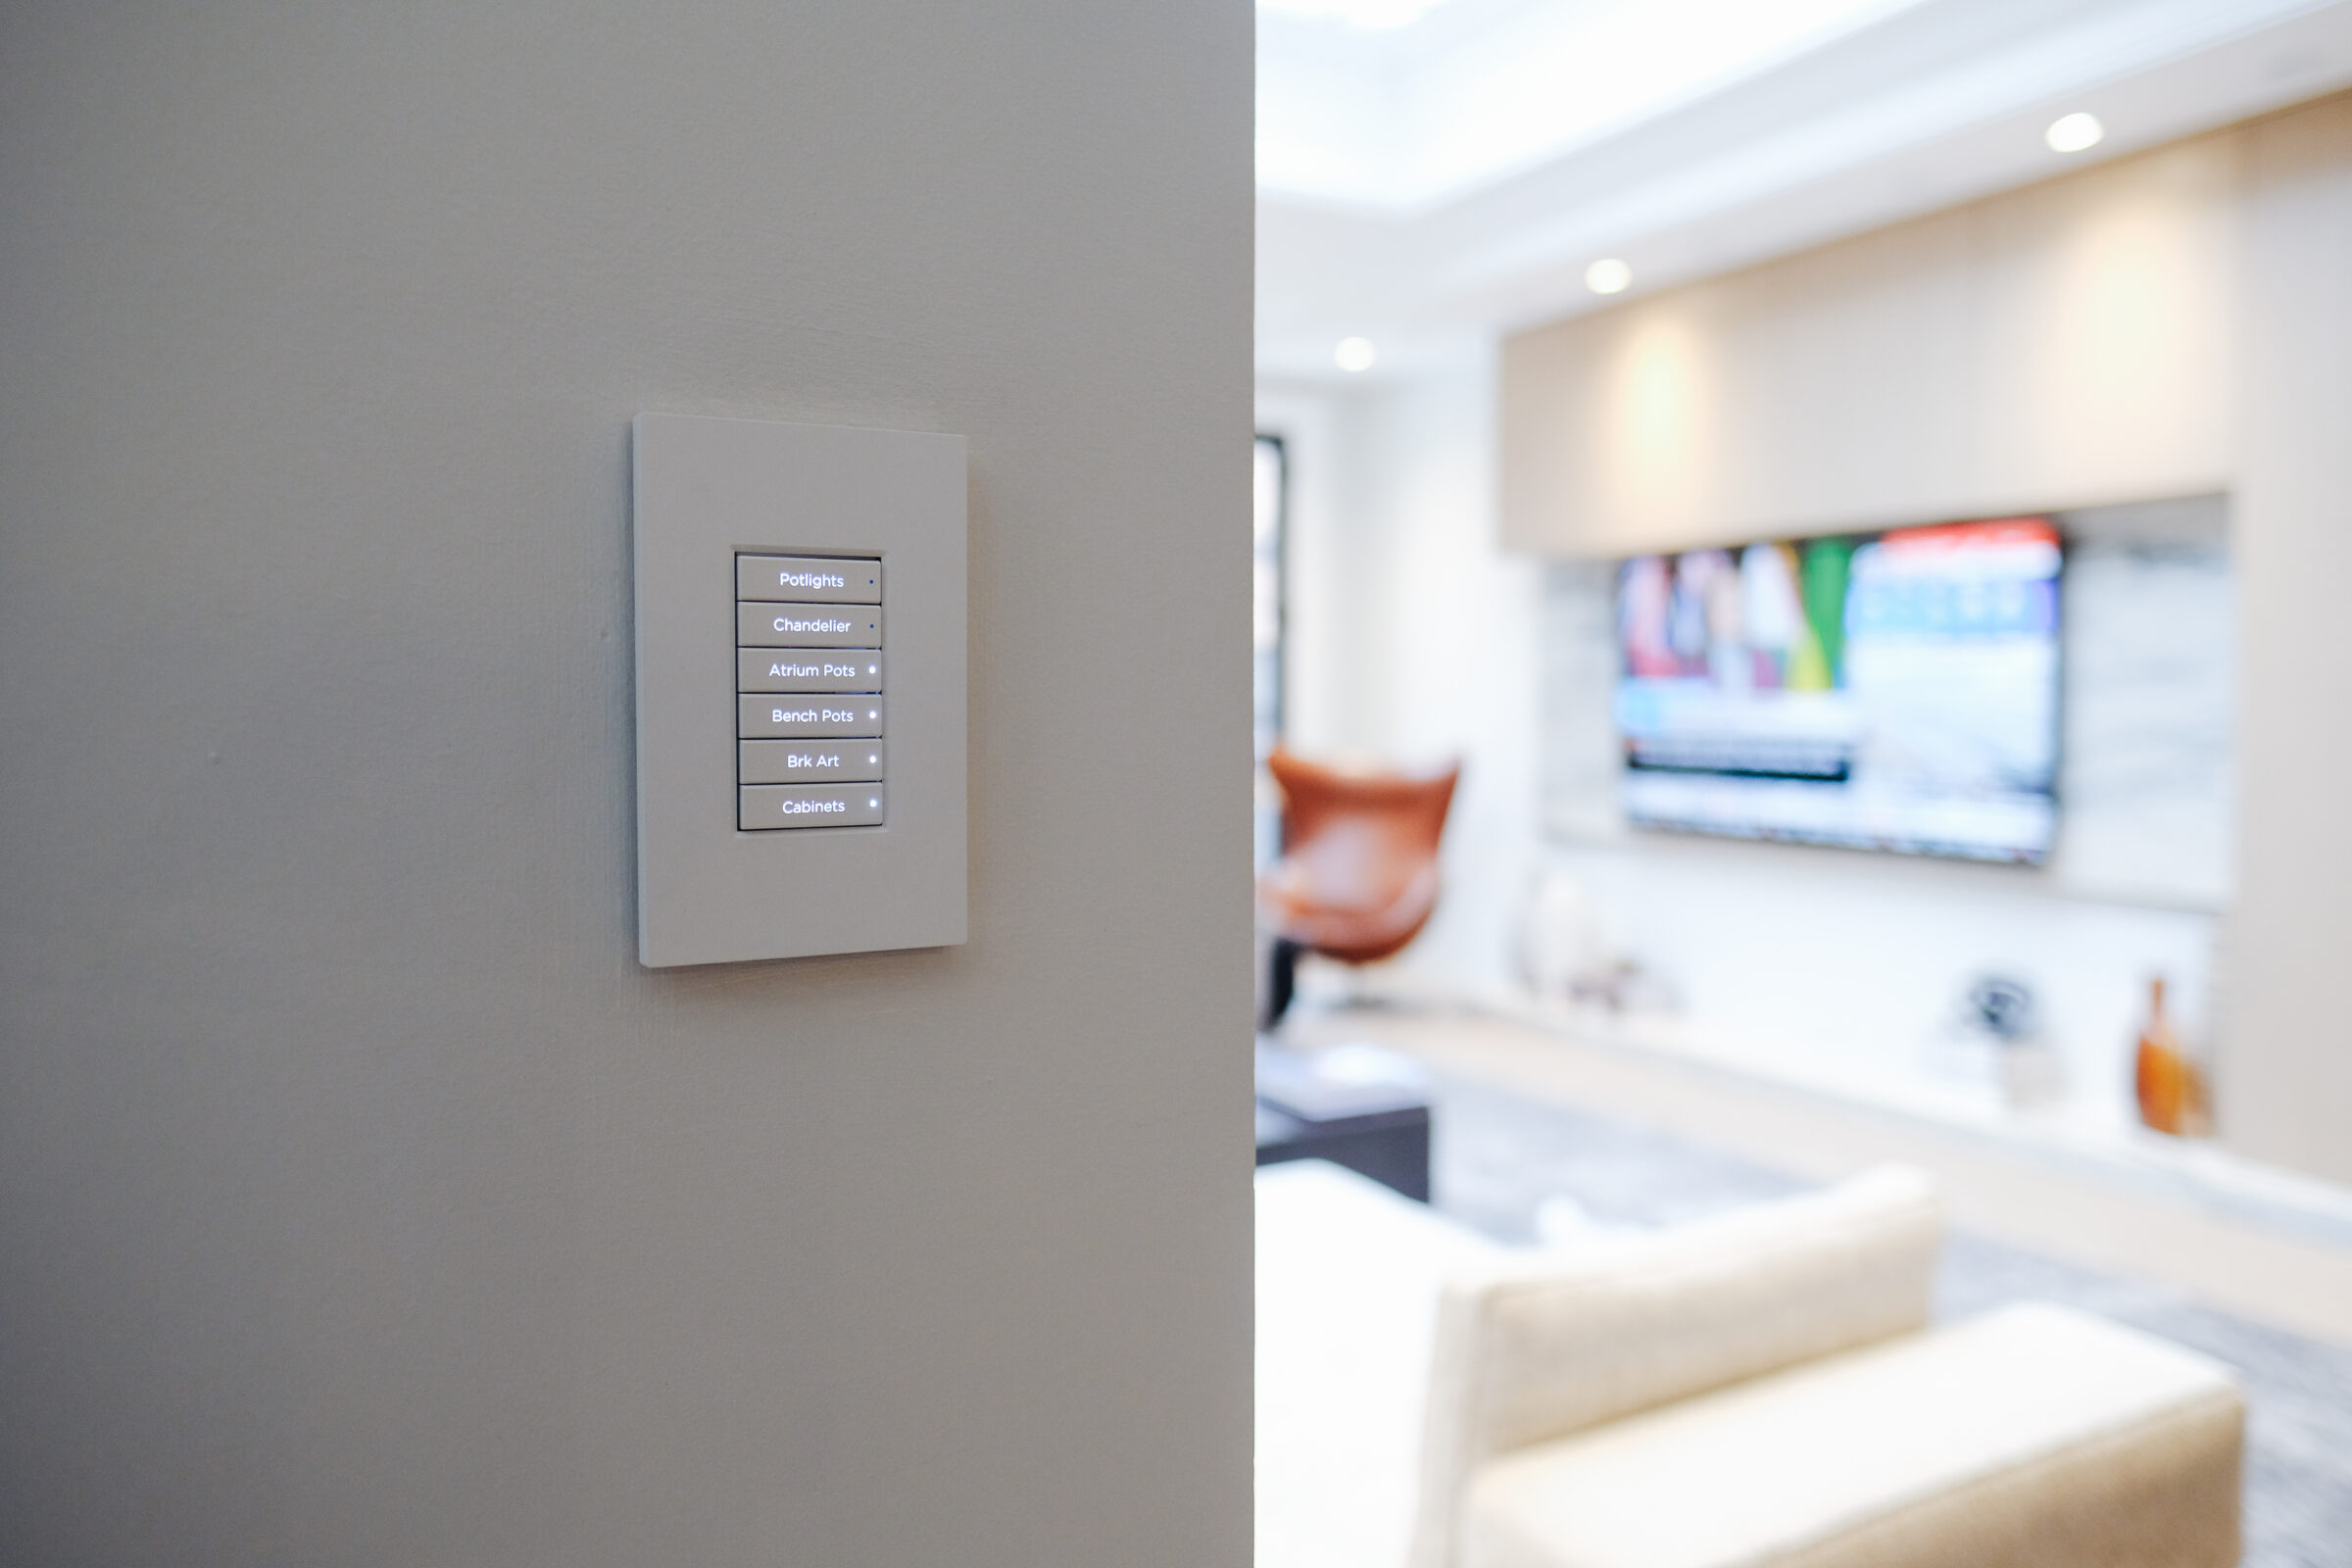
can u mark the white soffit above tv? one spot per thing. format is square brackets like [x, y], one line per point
[1453, 176]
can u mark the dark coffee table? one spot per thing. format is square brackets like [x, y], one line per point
[1349, 1106]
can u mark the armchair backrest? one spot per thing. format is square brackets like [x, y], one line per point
[1405, 812]
[1546, 1344]
[1358, 874]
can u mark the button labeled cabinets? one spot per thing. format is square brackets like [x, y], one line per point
[788, 806]
[808, 707]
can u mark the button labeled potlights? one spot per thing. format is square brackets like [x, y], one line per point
[808, 761]
[808, 625]
[809, 579]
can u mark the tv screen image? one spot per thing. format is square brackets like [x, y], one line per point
[1893, 691]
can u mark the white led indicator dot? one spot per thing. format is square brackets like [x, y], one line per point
[875, 805]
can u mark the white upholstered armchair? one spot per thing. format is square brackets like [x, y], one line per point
[1758, 1389]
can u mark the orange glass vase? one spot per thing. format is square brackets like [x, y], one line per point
[2168, 1085]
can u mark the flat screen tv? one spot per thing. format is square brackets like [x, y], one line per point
[1891, 691]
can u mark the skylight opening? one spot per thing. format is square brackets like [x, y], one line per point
[1378, 15]
[1416, 114]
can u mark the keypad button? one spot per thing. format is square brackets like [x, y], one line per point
[763, 806]
[795, 718]
[808, 670]
[807, 762]
[809, 579]
[808, 625]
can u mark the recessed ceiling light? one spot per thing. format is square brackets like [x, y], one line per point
[1354, 354]
[1608, 276]
[2071, 133]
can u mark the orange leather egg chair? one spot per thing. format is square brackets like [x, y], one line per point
[1358, 874]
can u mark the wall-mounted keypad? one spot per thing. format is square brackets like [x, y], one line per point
[839, 840]
[808, 705]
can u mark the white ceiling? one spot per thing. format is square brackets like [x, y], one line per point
[1444, 180]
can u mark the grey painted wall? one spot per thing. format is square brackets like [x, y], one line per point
[361, 1200]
